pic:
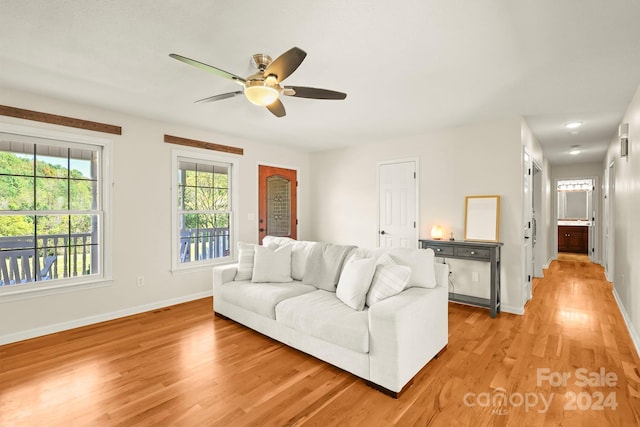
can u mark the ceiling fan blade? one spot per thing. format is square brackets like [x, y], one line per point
[207, 67]
[219, 97]
[285, 64]
[277, 108]
[313, 93]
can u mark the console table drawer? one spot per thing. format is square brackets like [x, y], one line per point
[442, 250]
[479, 253]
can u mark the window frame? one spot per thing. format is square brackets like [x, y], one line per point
[211, 158]
[104, 277]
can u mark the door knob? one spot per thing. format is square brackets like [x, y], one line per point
[383, 232]
[261, 230]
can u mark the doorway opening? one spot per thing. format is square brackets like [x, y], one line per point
[576, 217]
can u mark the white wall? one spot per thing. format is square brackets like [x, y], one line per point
[454, 163]
[337, 203]
[141, 219]
[626, 280]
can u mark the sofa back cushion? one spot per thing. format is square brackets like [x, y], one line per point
[366, 253]
[300, 251]
[324, 265]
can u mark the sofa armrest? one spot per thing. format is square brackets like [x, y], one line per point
[406, 331]
[223, 274]
[442, 274]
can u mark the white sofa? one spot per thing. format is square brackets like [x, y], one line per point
[386, 343]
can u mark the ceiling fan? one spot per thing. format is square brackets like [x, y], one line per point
[264, 87]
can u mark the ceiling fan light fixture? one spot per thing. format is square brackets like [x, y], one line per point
[263, 88]
[259, 94]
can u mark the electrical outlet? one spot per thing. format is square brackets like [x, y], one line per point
[474, 277]
[140, 280]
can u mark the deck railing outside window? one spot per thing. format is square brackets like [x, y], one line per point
[24, 259]
[204, 243]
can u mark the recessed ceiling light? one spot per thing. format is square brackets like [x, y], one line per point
[574, 151]
[573, 125]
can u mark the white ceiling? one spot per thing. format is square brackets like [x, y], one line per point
[407, 66]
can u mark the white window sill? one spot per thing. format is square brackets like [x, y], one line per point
[198, 267]
[10, 293]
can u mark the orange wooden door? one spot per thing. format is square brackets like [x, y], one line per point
[277, 198]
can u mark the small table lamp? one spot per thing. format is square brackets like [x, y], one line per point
[436, 232]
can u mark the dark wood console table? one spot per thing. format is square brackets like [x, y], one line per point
[475, 251]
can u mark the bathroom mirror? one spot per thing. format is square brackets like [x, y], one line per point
[573, 205]
[482, 218]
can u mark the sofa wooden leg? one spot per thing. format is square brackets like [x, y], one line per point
[394, 394]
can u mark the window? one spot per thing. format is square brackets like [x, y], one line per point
[204, 215]
[51, 211]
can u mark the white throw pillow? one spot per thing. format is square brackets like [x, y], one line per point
[389, 279]
[272, 264]
[421, 262]
[300, 251]
[245, 261]
[354, 282]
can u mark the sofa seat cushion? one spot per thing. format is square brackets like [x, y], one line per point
[262, 298]
[322, 315]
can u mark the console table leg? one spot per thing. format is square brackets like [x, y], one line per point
[495, 288]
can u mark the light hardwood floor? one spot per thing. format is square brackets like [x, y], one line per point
[183, 366]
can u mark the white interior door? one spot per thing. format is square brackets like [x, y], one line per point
[397, 204]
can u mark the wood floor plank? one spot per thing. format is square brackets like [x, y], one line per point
[184, 366]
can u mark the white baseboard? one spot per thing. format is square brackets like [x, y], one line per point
[627, 320]
[76, 323]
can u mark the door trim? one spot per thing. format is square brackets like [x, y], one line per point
[299, 187]
[527, 226]
[539, 250]
[415, 160]
[595, 206]
[610, 222]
